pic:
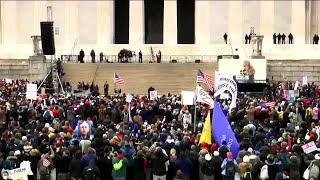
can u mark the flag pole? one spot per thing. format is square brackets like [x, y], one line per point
[114, 82]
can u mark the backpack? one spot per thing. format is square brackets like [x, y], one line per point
[47, 114]
[247, 175]
[314, 171]
[89, 174]
[9, 164]
[264, 172]
[207, 169]
[230, 168]
[117, 166]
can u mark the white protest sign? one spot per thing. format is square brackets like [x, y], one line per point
[15, 174]
[129, 98]
[226, 83]
[187, 97]
[153, 95]
[296, 85]
[304, 80]
[8, 81]
[31, 91]
[310, 147]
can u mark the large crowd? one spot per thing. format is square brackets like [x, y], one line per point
[156, 139]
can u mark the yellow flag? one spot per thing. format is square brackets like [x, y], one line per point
[206, 132]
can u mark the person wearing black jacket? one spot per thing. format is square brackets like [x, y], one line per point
[158, 163]
[138, 162]
[62, 162]
[104, 164]
[76, 166]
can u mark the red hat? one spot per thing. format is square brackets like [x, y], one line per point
[204, 145]
[214, 147]
[312, 136]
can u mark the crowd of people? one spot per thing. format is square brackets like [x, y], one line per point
[156, 139]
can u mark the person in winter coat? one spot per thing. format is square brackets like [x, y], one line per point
[138, 165]
[184, 164]
[273, 168]
[245, 168]
[159, 163]
[89, 156]
[207, 167]
[76, 166]
[229, 167]
[295, 165]
[119, 163]
[91, 172]
[217, 161]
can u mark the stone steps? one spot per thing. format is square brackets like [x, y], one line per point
[139, 77]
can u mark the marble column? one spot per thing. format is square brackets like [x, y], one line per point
[136, 22]
[105, 22]
[71, 30]
[170, 22]
[202, 22]
[267, 21]
[9, 21]
[298, 22]
[235, 22]
[308, 22]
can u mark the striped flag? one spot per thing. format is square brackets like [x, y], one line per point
[264, 104]
[205, 79]
[203, 97]
[118, 80]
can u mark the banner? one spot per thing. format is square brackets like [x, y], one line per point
[187, 97]
[8, 81]
[310, 147]
[203, 96]
[222, 132]
[18, 173]
[226, 83]
[31, 91]
[153, 95]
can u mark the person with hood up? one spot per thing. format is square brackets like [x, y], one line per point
[184, 164]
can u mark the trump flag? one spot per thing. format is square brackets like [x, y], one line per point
[222, 131]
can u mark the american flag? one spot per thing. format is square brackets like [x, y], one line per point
[264, 104]
[118, 80]
[45, 162]
[206, 79]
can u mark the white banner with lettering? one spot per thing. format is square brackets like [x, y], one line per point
[226, 83]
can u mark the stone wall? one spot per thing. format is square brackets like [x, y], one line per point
[34, 69]
[291, 70]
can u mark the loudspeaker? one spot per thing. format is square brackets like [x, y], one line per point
[47, 38]
[197, 61]
[173, 61]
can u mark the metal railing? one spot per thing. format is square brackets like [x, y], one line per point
[145, 59]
